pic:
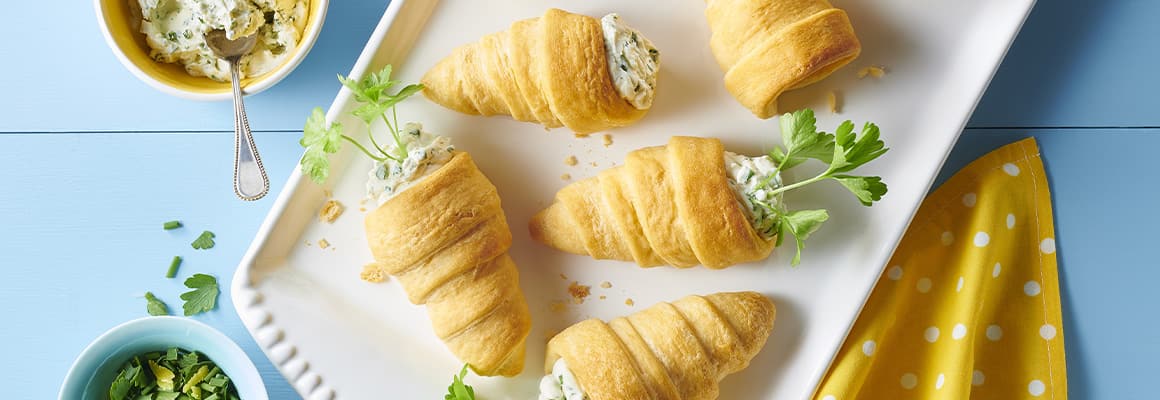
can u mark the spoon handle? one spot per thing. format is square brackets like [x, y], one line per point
[250, 181]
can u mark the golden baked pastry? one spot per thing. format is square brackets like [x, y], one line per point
[446, 240]
[666, 205]
[678, 350]
[553, 70]
[767, 47]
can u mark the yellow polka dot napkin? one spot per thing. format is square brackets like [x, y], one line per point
[968, 306]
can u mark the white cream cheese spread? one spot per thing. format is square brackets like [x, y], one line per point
[426, 152]
[753, 179]
[633, 62]
[560, 384]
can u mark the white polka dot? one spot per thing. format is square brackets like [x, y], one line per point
[959, 287]
[1010, 221]
[977, 378]
[970, 199]
[1036, 387]
[1047, 331]
[1031, 288]
[923, 285]
[994, 332]
[1047, 246]
[931, 334]
[829, 397]
[995, 272]
[909, 381]
[959, 331]
[982, 239]
[938, 383]
[895, 273]
[947, 238]
[868, 347]
[1011, 169]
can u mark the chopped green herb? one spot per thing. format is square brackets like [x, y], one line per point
[458, 390]
[171, 225]
[203, 241]
[173, 265]
[203, 297]
[161, 376]
[155, 306]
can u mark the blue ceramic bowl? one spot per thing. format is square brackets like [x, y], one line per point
[94, 370]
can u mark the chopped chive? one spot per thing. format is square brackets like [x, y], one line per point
[171, 225]
[173, 265]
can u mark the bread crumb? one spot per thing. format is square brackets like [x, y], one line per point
[571, 161]
[579, 292]
[566, 177]
[629, 302]
[323, 243]
[874, 71]
[602, 297]
[363, 209]
[556, 306]
[330, 211]
[605, 284]
[592, 163]
[564, 277]
[607, 140]
[373, 273]
[328, 193]
[833, 98]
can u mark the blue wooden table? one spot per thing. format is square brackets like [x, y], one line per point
[92, 162]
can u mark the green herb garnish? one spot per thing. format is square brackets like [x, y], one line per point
[372, 92]
[458, 390]
[203, 297]
[203, 241]
[155, 306]
[843, 150]
[170, 375]
[171, 225]
[173, 265]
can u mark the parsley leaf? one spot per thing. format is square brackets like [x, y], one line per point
[376, 101]
[203, 297]
[843, 150]
[154, 305]
[203, 241]
[458, 390]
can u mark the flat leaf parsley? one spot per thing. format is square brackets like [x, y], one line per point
[373, 94]
[203, 241]
[203, 297]
[843, 150]
[458, 390]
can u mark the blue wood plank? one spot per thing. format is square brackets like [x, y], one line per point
[1086, 63]
[81, 240]
[59, 75]
[1103, 191]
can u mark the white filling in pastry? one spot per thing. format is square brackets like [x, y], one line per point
[753, 179]
[426, 152]
[560, 384]
[633, 62]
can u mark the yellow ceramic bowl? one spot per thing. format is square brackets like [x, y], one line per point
[120, 23]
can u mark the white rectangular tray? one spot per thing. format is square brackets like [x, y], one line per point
[333, 335]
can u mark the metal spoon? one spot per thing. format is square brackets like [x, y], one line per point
[250, 181]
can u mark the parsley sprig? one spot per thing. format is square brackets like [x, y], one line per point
[843, 150]
[375, 102]
[458, 390]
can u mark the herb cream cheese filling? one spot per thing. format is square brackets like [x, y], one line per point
[753, 180]
[426, 152]
[175, 31]
[560, 384]
[633, 62]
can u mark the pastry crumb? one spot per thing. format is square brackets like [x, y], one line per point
[833, 99]
[629, 302]
[873, 71]
[580, 135]
[323, 243]
[579, 292]
[571, 161]
[607, 140]
[373, 273]
[564, 277]
[330, 211]
[605, 284]
[328, 193]
[602, 297]
[556, 306]
[592, 163]
[566, 177]
[363, 209]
